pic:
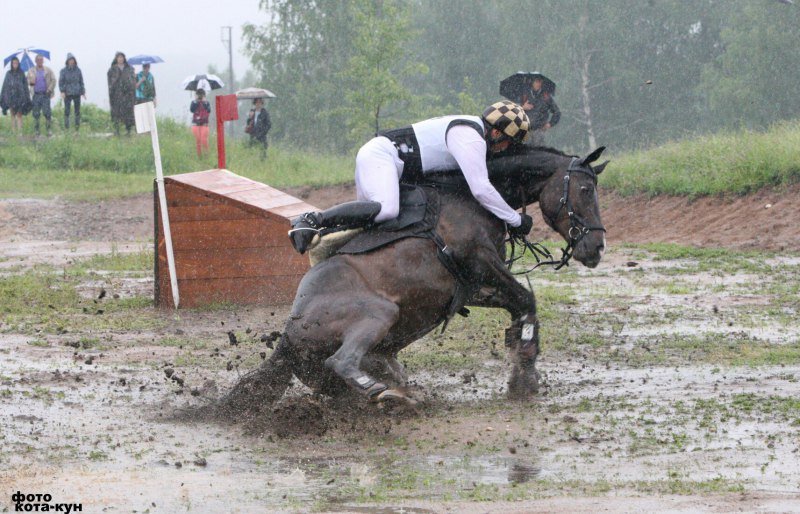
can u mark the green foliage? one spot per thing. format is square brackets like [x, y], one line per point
[91, 166]
[374, 94]
[632, 74]
[754, 82]
[735, 162]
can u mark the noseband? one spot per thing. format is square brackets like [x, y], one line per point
[578, 227]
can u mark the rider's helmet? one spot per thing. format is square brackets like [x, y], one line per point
[508, 118]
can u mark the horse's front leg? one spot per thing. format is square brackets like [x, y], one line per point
[502, 290]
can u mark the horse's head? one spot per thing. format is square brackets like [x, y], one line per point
[569, 205]
[566, 188]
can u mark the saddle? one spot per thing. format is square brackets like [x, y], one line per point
[419, 214]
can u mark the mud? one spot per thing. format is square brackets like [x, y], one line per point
[668, 385]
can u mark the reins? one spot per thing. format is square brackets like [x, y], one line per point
[578, 227]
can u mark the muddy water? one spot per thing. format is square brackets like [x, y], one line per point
[102, 426]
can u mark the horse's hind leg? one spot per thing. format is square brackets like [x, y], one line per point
[375, 319]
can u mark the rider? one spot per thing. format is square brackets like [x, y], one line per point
[407, 154]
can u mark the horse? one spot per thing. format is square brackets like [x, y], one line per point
[352, 314]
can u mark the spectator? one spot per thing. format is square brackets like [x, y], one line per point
[542, 112]
[70, 83]
[43, 85]
[200, 109]
[145, 86]
[121, 92]
[258, 124]
[15, 96]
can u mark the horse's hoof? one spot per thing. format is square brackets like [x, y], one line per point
[394, 396]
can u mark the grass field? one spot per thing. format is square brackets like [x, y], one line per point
[96, 165]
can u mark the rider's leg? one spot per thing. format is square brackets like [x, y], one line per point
[309, 224]
[378, 170]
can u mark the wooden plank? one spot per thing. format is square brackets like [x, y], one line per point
[179, 196]
[292, 210]
[229, 234]
[237, 263]
[257, 290]
[216, 211]
[240, 191]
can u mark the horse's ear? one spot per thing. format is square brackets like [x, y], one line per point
[593, 156]
[600, 167]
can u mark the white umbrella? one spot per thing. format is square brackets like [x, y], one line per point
[251, 93]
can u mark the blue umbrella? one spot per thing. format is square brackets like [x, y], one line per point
[25, 62]
[145, 59]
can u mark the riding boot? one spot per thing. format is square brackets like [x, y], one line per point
[36, 125]
[350, 214]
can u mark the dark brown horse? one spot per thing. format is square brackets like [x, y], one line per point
[354, 313]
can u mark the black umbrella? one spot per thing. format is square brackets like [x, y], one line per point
[512, 87]
[205, 82]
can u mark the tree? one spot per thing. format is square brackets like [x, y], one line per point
[754, 82]
[373, 91]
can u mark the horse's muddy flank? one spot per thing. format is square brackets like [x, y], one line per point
[653, 394]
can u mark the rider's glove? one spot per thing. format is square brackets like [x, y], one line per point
[524, 227]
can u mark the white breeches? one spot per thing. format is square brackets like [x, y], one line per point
[378, 171]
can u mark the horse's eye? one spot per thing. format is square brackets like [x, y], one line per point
[586, 189]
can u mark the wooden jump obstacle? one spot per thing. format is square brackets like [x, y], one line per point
[229, 240]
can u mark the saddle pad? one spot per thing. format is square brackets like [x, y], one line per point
[419, 213]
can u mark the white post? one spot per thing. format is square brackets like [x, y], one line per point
[146, 122]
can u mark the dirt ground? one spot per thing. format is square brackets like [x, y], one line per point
[670, 383]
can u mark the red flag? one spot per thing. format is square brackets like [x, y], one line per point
[227, 110]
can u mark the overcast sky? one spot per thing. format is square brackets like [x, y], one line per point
[185, 33]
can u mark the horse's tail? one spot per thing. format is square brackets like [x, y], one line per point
[259, 389]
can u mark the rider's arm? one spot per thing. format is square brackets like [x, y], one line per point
[469, 150]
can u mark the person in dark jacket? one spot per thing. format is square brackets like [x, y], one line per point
[258, 124]
[542, 112]
[121, 92]
[70, 83]
[15, 95]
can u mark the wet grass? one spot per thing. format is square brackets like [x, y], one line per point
[735, 162]
[48, 299]
[88, 167]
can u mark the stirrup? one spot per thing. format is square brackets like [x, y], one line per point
[303, 231]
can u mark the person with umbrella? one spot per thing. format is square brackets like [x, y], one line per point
[534, 92]
[15, 96]
[43, 85]
[541, 109]
[70, 83]
[121, 92]
[200, 109]
[258, 124]
[145, 86]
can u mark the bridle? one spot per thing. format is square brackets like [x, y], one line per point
[578, 226]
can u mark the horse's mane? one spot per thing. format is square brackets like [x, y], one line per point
[508, 169]
[518, 162]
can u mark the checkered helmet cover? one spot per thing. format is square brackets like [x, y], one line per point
[509, 118]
